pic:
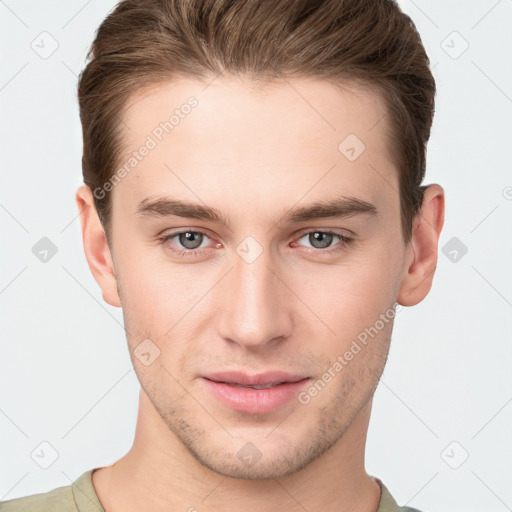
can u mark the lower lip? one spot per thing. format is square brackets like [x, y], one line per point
[255, 401]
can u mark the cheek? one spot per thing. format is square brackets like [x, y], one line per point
[351, 296]
[158, 295]
[146, 298]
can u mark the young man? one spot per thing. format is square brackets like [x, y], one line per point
[253, 202]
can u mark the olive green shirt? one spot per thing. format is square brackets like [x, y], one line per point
[81, 497]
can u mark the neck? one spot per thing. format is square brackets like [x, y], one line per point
[159, 473]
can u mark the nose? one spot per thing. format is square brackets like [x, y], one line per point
[254, 303]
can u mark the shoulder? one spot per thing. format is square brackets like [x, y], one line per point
[388, 504]
[57, 500]
[61, 499]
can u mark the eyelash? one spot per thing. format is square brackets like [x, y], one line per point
[346, 241]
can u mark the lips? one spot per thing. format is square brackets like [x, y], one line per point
[254, 394]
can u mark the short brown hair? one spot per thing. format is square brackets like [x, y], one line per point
[367, 42]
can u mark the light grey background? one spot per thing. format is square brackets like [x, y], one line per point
[66, 376]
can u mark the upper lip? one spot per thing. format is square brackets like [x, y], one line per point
[244, 379]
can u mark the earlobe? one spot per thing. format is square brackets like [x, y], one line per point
[421, 257]
[97, 251]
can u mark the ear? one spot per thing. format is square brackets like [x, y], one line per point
[97, 251]
[421, 252]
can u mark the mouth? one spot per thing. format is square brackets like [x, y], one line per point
[255, 394]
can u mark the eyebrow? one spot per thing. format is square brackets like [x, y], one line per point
[338, 207]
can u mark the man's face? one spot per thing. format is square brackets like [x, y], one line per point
[257, 290]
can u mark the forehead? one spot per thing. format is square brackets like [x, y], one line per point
[283, 140]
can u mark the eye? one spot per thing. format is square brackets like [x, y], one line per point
[190, 240]
[321, 241]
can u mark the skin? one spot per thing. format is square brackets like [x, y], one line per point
[254, 154]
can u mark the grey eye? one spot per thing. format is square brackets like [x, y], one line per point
[320, 240]
[190, 239]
